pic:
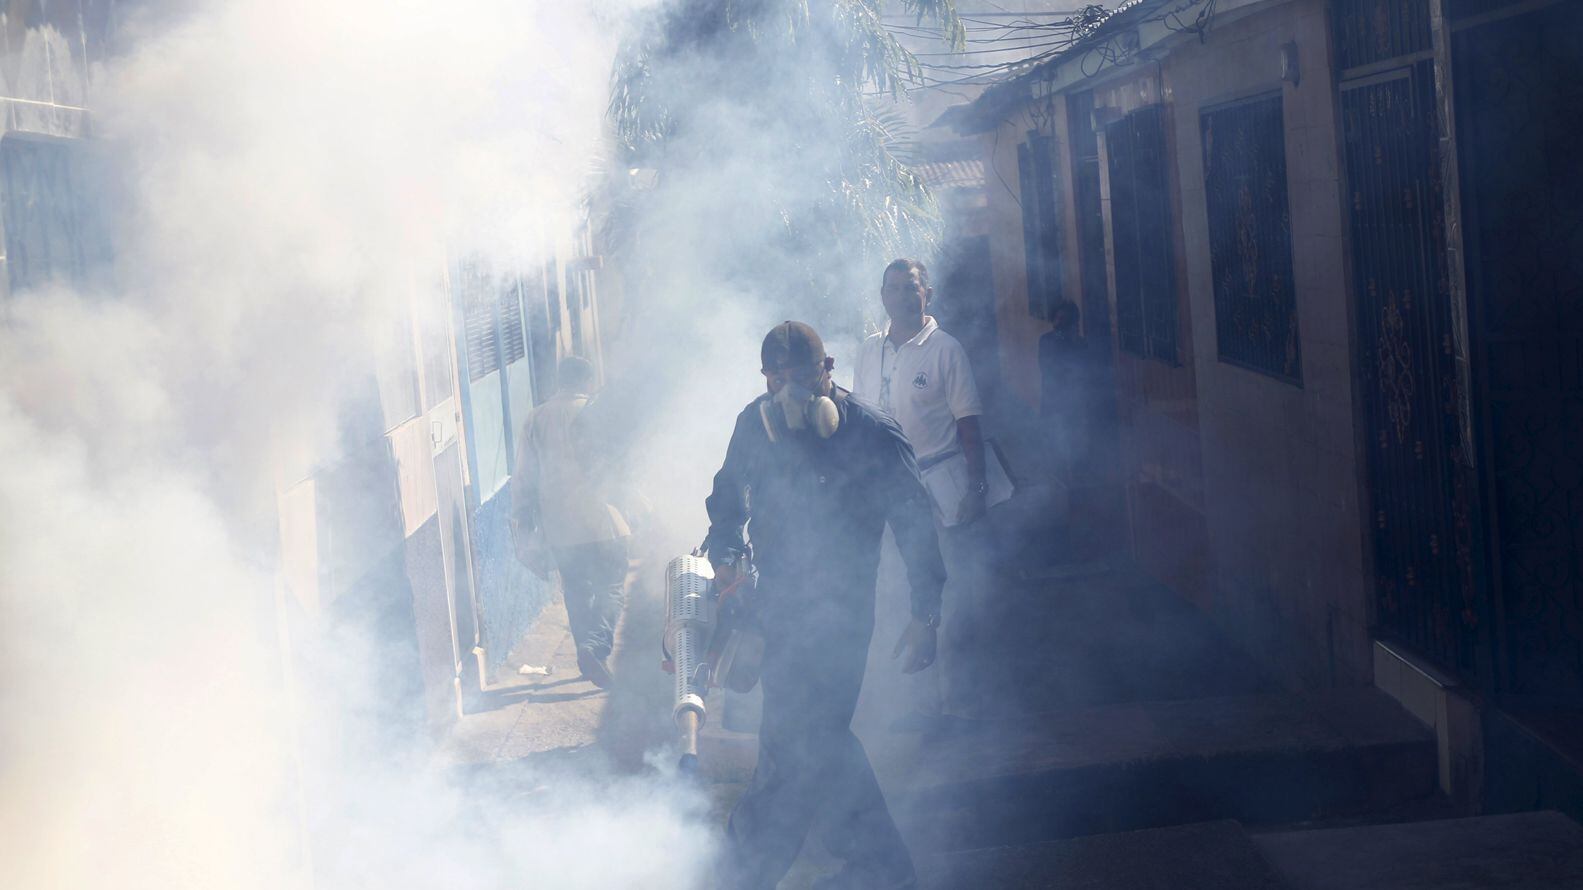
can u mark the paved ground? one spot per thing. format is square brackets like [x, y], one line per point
[530, 715]
[1113, 706]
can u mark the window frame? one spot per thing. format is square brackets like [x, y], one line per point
[1269, 234]
[1143, 236]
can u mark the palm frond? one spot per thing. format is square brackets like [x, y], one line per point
[800, 69]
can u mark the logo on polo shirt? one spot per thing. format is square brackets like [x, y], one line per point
[921, 381]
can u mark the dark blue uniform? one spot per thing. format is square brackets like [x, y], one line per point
[815, 510]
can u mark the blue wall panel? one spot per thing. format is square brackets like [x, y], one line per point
[511, 596]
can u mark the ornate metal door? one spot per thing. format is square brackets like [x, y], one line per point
[1519, 97]
[1418, 494]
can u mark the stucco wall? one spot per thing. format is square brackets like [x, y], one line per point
[1019, 331]
[1243, 490]
[1281, 467]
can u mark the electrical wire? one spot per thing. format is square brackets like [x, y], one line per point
[1044, 40]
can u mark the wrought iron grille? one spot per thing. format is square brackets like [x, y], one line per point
[1250, 239]
[1029, 198]
[1090, 216]
[1462, 9]
[1519, 89]
[1418, 492]
[1140, 221]
[1046, 188]
[1041, 223]
[1369, 31]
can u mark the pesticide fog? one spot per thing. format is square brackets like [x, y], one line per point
[289, 178]
[293, 173]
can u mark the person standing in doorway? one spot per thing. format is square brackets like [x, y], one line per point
[919, 374]
[1064, 390]
[556, 494]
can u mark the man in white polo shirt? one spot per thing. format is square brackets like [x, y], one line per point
[920, 375]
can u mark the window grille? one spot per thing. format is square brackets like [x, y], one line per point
[1047, 204]
[512, 344]
[1369, 31]
[1406, 372]
[1090, 215]
[1140, 218]
[54, 197]
[491, 316]
[473, 292]
[1032, 252]
[1250, 237]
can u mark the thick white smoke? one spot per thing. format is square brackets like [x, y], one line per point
[297, 173]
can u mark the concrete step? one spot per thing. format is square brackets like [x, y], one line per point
[1208, 856]
[1267, 759]
[1534, 851]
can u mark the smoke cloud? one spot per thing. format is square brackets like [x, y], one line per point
[294, 176]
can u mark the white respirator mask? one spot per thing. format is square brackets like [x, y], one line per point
[796, 408]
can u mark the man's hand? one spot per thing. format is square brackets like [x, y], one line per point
[972, 507]
[917, 642]
[725, 575]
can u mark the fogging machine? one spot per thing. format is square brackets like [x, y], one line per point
[709, 641]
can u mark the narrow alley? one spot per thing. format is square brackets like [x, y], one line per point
[743, 444]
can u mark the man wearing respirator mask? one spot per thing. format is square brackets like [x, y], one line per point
[813, 475]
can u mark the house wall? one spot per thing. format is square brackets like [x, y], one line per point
[50, 59]
[1157, 402]
[1282, 471]
[1019, 331]
[1243, 490]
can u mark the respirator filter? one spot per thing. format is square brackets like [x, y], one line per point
[796, 408]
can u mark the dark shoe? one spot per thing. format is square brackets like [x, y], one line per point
[594, 669]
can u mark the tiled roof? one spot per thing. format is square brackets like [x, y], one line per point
[940, 175]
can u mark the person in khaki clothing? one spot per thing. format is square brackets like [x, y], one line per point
[557, 496]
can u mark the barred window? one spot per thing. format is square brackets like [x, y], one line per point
[1250, 237]
[1090, 216]
[1041, 223]
[491, 317]
[1369, 31]
[1032, 256]
[1140, 223]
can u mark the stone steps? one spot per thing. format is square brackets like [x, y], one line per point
[1534, 851]
[1265, 759]
[1208, 856]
